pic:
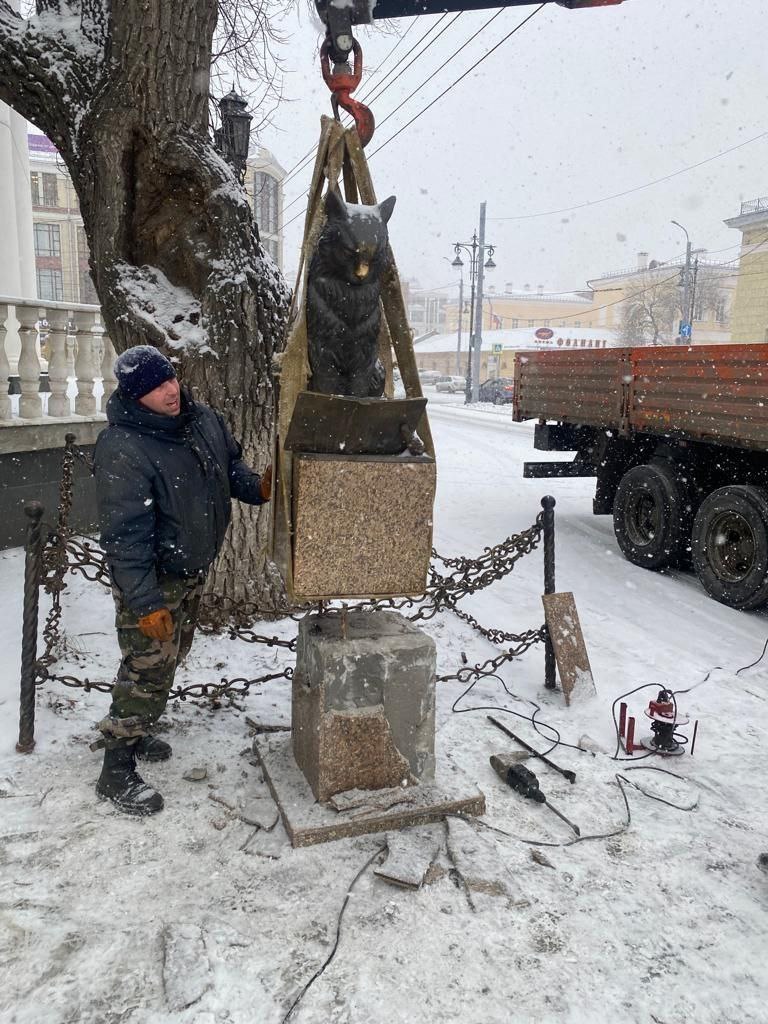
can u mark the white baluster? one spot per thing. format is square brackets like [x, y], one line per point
[71, 346]
[30, 403]
[108, 370]
[58, 369]
[85, 403]
[5, 367]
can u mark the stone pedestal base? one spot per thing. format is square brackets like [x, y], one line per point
[363, 702]
[308, 822]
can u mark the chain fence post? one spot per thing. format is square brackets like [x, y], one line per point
[33, 568]
[548, 519]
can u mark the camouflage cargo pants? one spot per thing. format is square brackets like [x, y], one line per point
[148, 666]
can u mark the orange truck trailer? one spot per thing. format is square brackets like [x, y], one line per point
[677, 439]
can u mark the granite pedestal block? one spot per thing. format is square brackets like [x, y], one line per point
[363, 702]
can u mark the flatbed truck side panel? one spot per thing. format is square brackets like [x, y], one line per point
[572, 386]
[706, 392]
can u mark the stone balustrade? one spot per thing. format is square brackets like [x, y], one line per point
[58, 361]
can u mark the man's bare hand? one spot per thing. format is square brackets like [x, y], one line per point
[157, 625]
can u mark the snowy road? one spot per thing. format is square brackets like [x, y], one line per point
[664, 923]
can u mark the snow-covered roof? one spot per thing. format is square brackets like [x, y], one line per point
[525, 337]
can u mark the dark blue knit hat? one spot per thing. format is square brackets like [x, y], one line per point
[141, 369]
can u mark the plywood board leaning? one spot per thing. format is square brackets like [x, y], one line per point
[568, 642]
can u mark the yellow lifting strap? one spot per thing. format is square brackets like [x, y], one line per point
[339, 155]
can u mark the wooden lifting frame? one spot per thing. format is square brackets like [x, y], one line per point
[340, 156]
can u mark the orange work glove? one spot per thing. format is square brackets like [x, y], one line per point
[157, 625]
[265, 487]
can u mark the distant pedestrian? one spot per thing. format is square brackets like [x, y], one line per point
[166, 470]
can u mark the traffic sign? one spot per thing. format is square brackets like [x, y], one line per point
[685, 330]
[497, 349]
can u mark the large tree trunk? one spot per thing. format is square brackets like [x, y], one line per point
[174, 254]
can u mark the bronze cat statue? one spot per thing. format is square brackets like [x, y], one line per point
[343, 291]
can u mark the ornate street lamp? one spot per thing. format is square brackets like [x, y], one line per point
[234, 136]
[477, 261]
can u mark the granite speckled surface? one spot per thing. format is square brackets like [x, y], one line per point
[362, 525]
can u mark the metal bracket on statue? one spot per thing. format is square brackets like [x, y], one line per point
[339, 425]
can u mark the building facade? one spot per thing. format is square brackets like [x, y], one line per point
[512, 309]
[750, 305]
[426, 308]
[497, 356]
[711, 304]
[264, 185]
[60, 246]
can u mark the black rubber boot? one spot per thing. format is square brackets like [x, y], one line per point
[121, 783]
[150, 748]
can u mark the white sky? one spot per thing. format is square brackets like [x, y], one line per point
[578, 105]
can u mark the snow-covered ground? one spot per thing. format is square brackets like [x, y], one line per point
[107, 919]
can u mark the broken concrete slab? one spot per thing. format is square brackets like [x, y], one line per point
[477, 860]
[186, 969]
[307, 821]
[410, 855]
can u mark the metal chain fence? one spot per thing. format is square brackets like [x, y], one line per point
[49, 562]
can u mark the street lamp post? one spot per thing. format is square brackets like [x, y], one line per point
[234, 136]
[685, 331]
[476, 250]
[461, 317]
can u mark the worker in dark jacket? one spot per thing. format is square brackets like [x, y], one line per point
[166, 468]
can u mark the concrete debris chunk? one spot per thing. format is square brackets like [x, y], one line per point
[541, 858]
[260, 812]
[366, 801]
[410, 855]
[196, 774]
[186, 968]
[476, 859]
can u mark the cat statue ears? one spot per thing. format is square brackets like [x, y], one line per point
[336, 208]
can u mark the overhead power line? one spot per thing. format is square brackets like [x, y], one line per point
[637, 188]
[437, 71]
[309, 155]
[453, 84]
[656, 284]
[443, 93]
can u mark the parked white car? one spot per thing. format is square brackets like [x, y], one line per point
[453, 385]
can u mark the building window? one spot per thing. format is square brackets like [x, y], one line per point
[577, 323]
[50, 190]
[265, 199]
[87, 290]
[530, 323]
[515, 323]
[547, 323]
[47, 240]
[50, 285]
[34, 182]
[82, 244]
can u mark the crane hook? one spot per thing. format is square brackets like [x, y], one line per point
[342, 84]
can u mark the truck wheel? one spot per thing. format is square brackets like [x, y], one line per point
[730, 546]
[650, 516]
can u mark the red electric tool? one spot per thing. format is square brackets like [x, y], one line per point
[665, 721]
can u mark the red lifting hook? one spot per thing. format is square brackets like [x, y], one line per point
[342, 85]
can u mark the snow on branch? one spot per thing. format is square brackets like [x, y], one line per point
[48, 63]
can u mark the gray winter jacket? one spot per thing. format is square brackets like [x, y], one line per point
[163, 486]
